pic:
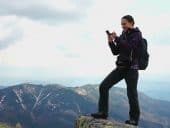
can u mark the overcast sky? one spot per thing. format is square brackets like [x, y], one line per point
[64, 41]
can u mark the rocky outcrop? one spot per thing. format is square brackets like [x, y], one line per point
[89, 122]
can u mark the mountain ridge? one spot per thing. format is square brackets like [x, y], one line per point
[50, 105]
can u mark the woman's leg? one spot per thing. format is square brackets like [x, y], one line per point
[131, 78]
[115, 76]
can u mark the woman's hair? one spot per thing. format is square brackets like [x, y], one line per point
[129, 18]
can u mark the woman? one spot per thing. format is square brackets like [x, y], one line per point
[126, 46]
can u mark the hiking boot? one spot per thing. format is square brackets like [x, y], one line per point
[99, 115]
[131, 122]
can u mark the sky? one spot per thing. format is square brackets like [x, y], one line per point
[64, 41]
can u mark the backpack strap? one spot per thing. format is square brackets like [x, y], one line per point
[131, 55]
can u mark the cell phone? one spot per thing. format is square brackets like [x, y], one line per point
[108, 33]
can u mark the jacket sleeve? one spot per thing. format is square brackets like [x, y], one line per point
[114, 48]
[132, 43]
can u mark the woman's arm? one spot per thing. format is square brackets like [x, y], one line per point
[114, 48]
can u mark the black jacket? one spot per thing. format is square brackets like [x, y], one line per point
[126, 46]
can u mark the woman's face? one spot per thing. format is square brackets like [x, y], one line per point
[126, 24]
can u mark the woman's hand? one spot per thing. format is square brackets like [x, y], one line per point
[111, 37]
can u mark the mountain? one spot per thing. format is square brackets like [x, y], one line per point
[49, 106]
[2, 87]
[37, 106]
[158, 89]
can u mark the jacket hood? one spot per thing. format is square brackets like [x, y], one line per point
[132, 30]
[136, 29]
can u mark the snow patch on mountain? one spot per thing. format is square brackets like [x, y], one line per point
[1, 102]
[18, 94]
[80, 91]
[39, 98]
[52, 105]
[2, 99]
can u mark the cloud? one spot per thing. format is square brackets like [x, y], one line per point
[69, 49]
[69, 10]
[9, 40]
[41, 13]
[10, 32]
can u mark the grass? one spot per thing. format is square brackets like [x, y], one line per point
[4, 126]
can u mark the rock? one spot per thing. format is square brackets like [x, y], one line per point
[90, 122]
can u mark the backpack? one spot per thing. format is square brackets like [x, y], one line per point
[144, 55]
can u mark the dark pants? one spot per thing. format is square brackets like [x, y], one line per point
[131, 78]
